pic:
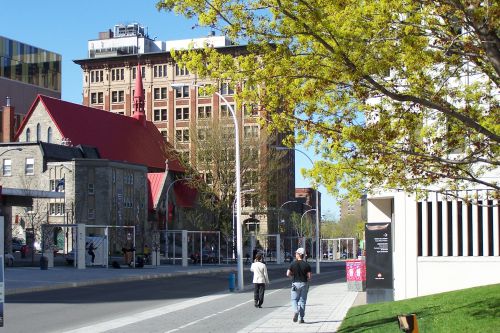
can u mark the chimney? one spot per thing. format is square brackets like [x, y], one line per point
[139, 98]
[8, 122]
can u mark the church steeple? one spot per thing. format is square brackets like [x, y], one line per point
[139, 98]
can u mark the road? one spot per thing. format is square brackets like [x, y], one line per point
[194, 303]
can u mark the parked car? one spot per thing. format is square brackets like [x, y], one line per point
[17, 244]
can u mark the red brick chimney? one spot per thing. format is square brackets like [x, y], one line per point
[8, 122]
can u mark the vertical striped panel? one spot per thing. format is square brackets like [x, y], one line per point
[454, 217]
[475, 231]
[486, 229]
[465, 230]
[496, 236]
[435, 221]
[446, 232]
[425, 234]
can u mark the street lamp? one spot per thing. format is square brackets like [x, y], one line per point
[239, 234]
[317, 206]
[166, 219]
[10, 149]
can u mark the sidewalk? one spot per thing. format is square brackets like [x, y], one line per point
[326, 308]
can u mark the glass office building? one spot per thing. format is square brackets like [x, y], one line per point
[29, 64]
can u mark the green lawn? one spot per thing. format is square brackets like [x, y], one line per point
[469, 310]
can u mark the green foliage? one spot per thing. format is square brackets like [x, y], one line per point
[387, 91]
[467, 310]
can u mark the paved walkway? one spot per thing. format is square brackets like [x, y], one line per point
[326, 308]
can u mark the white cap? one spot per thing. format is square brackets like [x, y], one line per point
[300, 251]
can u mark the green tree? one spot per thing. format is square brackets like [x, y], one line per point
[392, 93]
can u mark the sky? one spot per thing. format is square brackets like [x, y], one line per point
[65, 27]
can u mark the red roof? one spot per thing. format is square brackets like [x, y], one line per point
[117, 137]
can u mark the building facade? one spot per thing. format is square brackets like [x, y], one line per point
[181, 110]
[26, 71]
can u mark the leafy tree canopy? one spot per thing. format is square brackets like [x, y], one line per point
[392, 93]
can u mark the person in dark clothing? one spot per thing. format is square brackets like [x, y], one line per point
[90, 251]
[300, 272]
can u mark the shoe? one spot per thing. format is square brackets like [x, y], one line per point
[301, 321]
[256, 305]
[260, 306]
[295, 317]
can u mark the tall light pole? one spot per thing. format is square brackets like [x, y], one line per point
[239, 233]
[301, 228]
[317, 206]
[166, 207]
[10, 149]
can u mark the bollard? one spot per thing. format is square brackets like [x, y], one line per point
[232, 279]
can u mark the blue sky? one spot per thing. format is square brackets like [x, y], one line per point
[64, 27]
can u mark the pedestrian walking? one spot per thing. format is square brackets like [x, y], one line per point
[260, 279]
[300, 272]
[90, 251]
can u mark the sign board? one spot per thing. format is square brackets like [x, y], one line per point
[378, 256]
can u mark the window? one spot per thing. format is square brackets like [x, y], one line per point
[28, 135]
[202, 90]
[164, 134]
[182, 92]
[181, 70]
[160, 71]
[91, 213]
[117, 96]
[56, 208]
[225, 112]
[96, 98]
[226, 89]
[227, 133]
[7, 168]
[250, 132]
[38, 132]
[160, 115]
[251, 153]
[182, 113]
[49, 135]
[202, 134]
[182, 135]
[251, 110]
[117, 74]
[90, 188]
[29, 168]
[160, 93]
[205, 111]
[134, 72]
[96, 76]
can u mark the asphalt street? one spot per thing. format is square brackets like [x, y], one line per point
[192, 303]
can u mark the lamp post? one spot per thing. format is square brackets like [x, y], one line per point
[239, 234]
[301, 228]
[317, 207]
[10, 149]
[166, 208]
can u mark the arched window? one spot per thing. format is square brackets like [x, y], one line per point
[38, 132]
[28, 135]
[49, 135]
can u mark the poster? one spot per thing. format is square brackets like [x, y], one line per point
[378, 239]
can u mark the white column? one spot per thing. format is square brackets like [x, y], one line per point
[454, 222]
[425, 239]
[185, 249]
[496, 241]
[80, 246]
[279, 258]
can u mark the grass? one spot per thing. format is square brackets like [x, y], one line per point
[468, 310]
